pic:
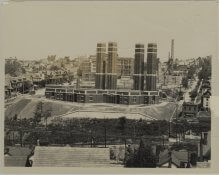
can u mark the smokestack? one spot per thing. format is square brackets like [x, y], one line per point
[172, 49]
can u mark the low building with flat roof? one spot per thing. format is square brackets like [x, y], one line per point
[128, 97]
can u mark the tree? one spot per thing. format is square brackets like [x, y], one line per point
[191, 72]
[121, 127]
[122, 122]
[14, 69]
[51, 58]
[26, 86]
[205, 72]
[38, 114]
[143, 157]
[193, 94]
[185, 82]
[79, 72]
[54, 68]
[15, 117]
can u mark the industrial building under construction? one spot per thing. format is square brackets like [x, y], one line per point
[143, 92]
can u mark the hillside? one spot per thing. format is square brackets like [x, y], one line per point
[26, 107]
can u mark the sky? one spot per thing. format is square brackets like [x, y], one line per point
[36, 29]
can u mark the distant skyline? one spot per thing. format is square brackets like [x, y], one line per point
[34, 30]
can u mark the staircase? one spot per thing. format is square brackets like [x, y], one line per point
[71, 157]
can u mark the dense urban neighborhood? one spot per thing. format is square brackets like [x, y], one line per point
[106, 110]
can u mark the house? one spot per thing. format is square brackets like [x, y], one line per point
[8, 88]
[206, 85]
[205, 100]
[174, 159]
[189, 109]
[204, 116]
[204, 148]
[70, 157]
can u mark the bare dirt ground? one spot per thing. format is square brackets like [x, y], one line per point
[25, 107]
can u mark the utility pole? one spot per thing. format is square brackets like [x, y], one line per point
[134, 131]
[169, 128]
[105, 136]
[176, 124]
[46, 116]
[105, 131]
[23, 86]
[160, 134]
[21, 137]
[91, 139]
[41, 110]
[201, 148]
[21, 133]
[125, 147]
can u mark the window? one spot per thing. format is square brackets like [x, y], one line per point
[82, 98]
[134, 99]
[90, 98]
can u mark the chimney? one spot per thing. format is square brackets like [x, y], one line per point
[172, 49]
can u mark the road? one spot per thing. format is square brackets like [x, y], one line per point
[40, 92]
[186, 98]
[177, 109]
[187, 95]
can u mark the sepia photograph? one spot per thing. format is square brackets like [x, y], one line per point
[110, 84]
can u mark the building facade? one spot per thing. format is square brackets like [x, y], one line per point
[100, 66]
[205, 100]
[189, 109]
[128, 97]
[138, 75]
[111, 75]
[125, 66]
[88, 68]
[151, 77]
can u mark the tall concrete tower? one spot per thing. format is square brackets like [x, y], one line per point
[100, 66]
[111, 75]
[138, 75]
[151, 82]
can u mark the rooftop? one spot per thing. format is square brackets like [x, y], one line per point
[202, 114]
[16, 157]
[71, 157]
